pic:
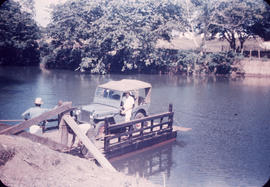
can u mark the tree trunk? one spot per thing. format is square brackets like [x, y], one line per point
[233, 43]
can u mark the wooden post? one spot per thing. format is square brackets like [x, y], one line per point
[161, 120]
[130, 129]
[171, 116]
[170, 107]
[250, 53]
[88, 144]
[63, 131]
[259, 53]
[106, 129]
[106, 132]
[142, 128]
[152, 123]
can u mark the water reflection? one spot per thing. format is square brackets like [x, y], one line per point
[252, 81]
[148, 163]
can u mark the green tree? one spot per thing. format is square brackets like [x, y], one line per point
[262, 27]
[232, 20]
[113, 35]
[19, 35]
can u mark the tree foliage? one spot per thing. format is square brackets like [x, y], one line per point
[113, 35]
[262, 27]
[232, 20]
[19, 35]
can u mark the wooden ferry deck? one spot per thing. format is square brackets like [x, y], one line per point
[139, 134]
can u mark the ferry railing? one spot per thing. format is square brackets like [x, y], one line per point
[137, 130]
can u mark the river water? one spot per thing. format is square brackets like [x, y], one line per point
[229, 144]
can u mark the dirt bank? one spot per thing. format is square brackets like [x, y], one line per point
[25, 163]
[255, 67]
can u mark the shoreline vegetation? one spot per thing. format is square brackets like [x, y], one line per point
[168, 37]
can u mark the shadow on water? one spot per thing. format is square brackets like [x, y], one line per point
[6, 85]
[8, 81]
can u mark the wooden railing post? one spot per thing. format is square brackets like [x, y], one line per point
[142, 128]
[152, 123]
[170, 107]
[130, 129]
[161, 120]
[171, 116]
[106, 132]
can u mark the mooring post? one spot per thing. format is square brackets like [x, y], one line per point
[63, 130]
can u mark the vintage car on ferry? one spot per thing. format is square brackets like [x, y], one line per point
[108, 104]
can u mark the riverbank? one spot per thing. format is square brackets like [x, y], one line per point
[25, 163]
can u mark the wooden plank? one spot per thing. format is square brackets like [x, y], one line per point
[26, 124]
[88, 144]
[183, 129]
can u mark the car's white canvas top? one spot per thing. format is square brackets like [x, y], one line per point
[125, 85]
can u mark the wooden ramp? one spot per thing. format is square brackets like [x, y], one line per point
[88, 144]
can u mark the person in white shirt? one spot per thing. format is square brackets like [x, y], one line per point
[128, 103]
[34, 112]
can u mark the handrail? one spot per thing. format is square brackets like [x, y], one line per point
[132, 122]
[149, 127]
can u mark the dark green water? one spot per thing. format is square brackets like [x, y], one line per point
[229, 144]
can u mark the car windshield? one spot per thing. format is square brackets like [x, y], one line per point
[102, 93]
